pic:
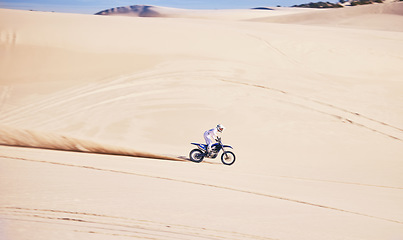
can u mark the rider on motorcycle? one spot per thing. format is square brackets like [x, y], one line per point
[211, 135]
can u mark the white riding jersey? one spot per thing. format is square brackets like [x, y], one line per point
[212, 133]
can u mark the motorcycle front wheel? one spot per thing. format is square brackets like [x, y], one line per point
[228, 158]
[196, 155]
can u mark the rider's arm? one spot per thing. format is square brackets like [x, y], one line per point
[215, 135]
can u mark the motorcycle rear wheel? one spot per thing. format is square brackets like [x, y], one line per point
[228, 158]
[196, 155]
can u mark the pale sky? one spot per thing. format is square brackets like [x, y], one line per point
[93, 6]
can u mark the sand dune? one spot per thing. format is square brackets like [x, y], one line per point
[377, 16]
[222, 14]
[387, 16]
[313, 110]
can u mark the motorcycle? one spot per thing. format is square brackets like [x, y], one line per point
[198, 154]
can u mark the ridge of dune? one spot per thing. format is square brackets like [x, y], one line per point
[222, 14]
[34, 139]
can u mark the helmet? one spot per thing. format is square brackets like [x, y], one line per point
[220, 127]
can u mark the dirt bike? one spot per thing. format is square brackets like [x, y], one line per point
[198, 154]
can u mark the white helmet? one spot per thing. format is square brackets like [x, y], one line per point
[220, 127]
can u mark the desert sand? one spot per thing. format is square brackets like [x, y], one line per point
[97, 114]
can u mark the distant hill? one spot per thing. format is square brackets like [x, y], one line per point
[319, 5]
[341, 3]
[136, 10]
[262, 8]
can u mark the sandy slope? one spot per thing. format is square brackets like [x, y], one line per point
[102, 197]
[314, 114]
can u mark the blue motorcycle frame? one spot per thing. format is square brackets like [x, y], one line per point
[198, 154]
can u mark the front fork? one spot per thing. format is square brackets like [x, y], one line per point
[225, 153]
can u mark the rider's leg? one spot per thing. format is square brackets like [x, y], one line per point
[209, 142]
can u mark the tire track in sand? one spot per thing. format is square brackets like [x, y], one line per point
[102, 224]
[343, 114]
[340, 113]
[213, 186]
